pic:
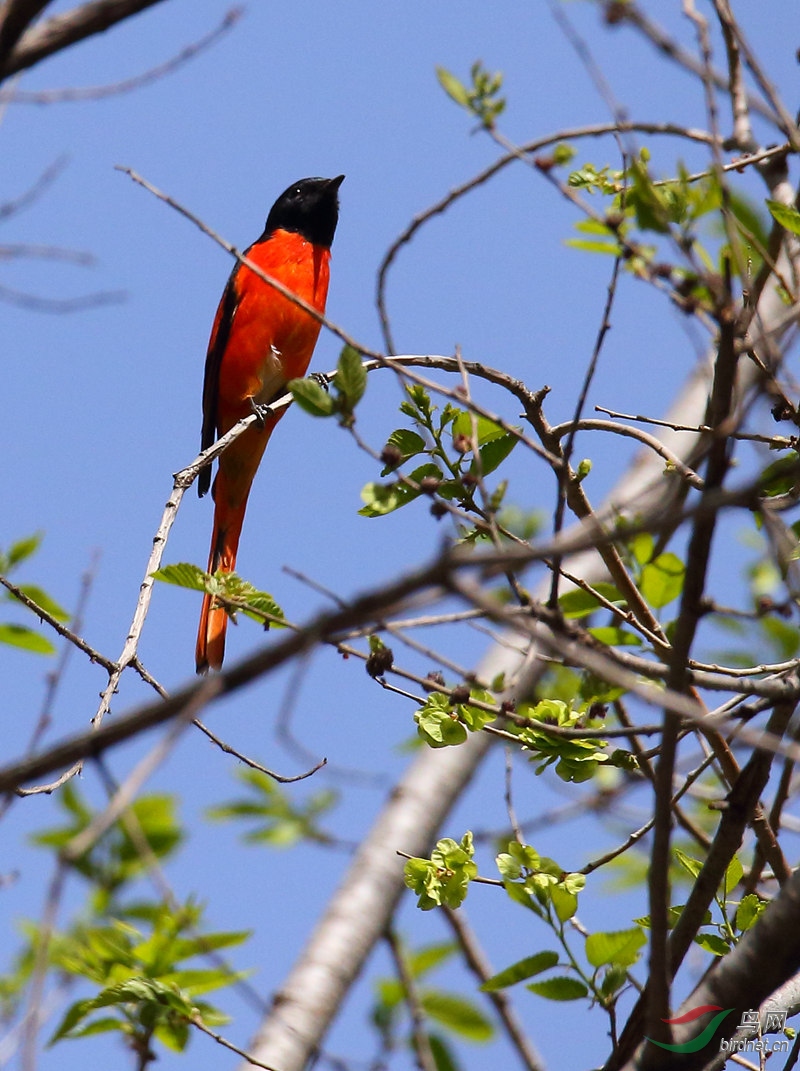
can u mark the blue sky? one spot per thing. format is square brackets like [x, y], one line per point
[100, 407]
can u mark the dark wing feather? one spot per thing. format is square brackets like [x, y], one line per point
[216, 349]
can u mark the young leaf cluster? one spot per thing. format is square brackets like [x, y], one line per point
[460, 449]
[229, 589]
[450, 1012]
[23, 636]
[641, 206]
[143, 978]
[349, 385]
[278, 819]
[140, 957]
[481, 98]
[735, 917]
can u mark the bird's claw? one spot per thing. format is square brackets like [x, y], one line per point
[262, 412]
[321, 378]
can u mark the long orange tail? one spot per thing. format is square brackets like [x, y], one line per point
[228, 520]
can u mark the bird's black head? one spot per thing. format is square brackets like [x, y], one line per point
[310, 208]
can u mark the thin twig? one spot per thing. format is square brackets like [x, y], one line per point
[499, 998]
[125, 85]
[419, 1038]
[280, 778]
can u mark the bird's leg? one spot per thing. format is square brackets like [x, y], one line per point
[262, 411]
[322, 378]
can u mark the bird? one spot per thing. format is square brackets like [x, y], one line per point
[260, 340]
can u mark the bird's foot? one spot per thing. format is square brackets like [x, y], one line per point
[263, 412]
[321, 378]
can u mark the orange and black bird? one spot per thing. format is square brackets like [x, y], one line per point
[260, 340]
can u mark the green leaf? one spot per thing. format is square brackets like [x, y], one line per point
[781, 476]
[786, 215]
[564, 901]
[587, 245]
[173, 1033]
[281, 820]
[612, 636]
[26, 639]
[560, 988]
[692, 866]
[183, 575]
[486, 430]
[74, 1015]
[380, 499]
[418, 404]
[439, 726]
[351, 377]
[474, 717]
[445, 877]
[662, 579]
[494, 452]
[443, 1056]
[518, 894]
[237, 594]
[749, 911]
[749, 216]
[96, 1026]
[713, 943]
[654, 207]
[201, 945]
[782, 635]
[620, 948]
[460, 1016]
[311, 397]
[580, 603]
[519, 971]
[22, 549]
[407, 443]
[426, 959]
[641, 547]
[200, 981]
[257, 605]
[453, 87]
[563, 153]
[43, 600]
[733, 875]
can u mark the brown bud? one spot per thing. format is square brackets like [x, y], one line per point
[460, 694]
[614, 12]
[391, 455]
[435, 677]
[661, 271]
[379, 661]
[782, 410]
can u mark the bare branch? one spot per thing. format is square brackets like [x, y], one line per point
[126, 85]
[60, 306]
[477, 963]
[667, 46]
[15, 17]
[280, 778]
[34, 192]
[60, 31]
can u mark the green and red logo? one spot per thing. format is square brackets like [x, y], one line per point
[704, 1036]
